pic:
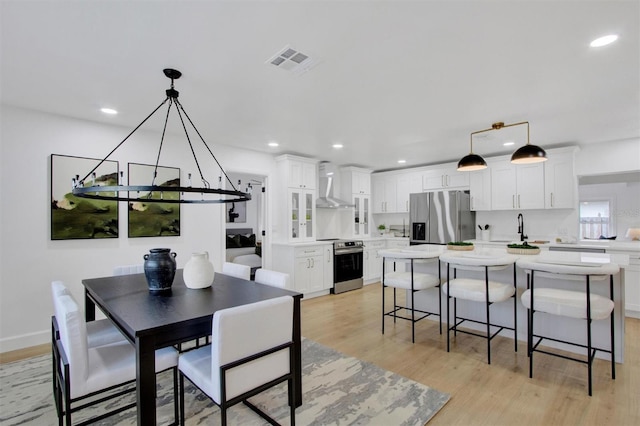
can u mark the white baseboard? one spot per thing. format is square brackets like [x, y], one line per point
[25, 341]
[632, 313]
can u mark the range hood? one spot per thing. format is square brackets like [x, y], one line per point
[327, 172]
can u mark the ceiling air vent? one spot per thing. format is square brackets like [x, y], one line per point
[292, 60]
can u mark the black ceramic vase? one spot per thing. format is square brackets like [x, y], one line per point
[159, 269]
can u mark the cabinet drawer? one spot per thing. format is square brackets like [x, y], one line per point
[309, 251]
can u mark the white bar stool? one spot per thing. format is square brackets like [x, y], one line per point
[569, 303]
[410, 281]
[480, 290]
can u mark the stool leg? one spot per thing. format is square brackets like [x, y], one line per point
[486, 294]
[413, 311]
[613, 340]
[439, 287]
[515, 311]
[448, 297]
[589, 358]
[383, 295]
[395, 304]
[531, 314]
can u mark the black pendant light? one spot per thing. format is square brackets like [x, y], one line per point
[524, 155]
[176, 195]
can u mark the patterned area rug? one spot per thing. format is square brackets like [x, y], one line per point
[337, 390]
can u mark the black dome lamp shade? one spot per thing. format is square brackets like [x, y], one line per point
[527, 154]
[179, 194]
[471, 162]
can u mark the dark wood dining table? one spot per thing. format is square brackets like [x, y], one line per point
[152, 321]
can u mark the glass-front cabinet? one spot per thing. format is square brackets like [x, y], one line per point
[301, 214]
[361, 215]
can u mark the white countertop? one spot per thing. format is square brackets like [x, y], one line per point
[622, 246]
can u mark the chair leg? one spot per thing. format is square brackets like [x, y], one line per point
[181, 398]
[175, 395]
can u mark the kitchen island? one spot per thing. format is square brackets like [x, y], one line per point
[561, 328]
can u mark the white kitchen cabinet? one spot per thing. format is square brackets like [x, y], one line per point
[517, 186]
[447, 178]
[298, 172]
[407, 183]
[384, 193]
[480, 189]
[397, 243]
[310, 267]
[302, 208]
[355, 180]
[361, 223]
[328, 267]
[560, 183]
[372, 261]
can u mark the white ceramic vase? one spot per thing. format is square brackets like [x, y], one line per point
[198, 272]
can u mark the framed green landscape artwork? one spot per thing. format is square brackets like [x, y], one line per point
[81, 218]
[154, 219]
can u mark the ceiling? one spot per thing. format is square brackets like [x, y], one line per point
[389, 80]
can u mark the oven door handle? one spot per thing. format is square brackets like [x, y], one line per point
[349, 251]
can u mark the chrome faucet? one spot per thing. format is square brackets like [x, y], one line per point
[521, 227]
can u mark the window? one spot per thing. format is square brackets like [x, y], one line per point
[595, 219]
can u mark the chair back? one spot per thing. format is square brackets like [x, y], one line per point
[73, 336]
[236, 270]
[128, 269]
[58, 289]
[247, 330]
[272, 278]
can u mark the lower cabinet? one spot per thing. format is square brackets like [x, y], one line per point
[310, 266]
[372, 270]
[372, 263]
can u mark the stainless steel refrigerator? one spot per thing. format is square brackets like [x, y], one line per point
[441, 217]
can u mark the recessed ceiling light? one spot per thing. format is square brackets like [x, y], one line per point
[110, 111]
[603, 41]
[402, 161]
[508, 143]
[273, 144]
[337, 145]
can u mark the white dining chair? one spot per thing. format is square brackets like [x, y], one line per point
[252, 352]
[236, 270]
[99, 332]
[82, 372]
[272, 278]
[128, 269]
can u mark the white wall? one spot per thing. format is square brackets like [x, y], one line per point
[608, 157]
[29, 260]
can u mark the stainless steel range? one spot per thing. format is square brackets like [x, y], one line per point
[347, 265]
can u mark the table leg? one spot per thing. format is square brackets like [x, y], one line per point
[146, 380]
[89, 307]
[297, 350]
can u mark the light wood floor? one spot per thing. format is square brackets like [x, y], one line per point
[481, 394]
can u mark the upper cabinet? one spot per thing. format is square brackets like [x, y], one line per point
[355, 181]
[301, 172]
[445, 178]
[480, 189]
[295, 199]
[407, 183]
[384, 193]
[560, 184]
[516, 186]
[356, 186]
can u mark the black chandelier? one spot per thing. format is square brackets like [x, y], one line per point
[143, 193]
